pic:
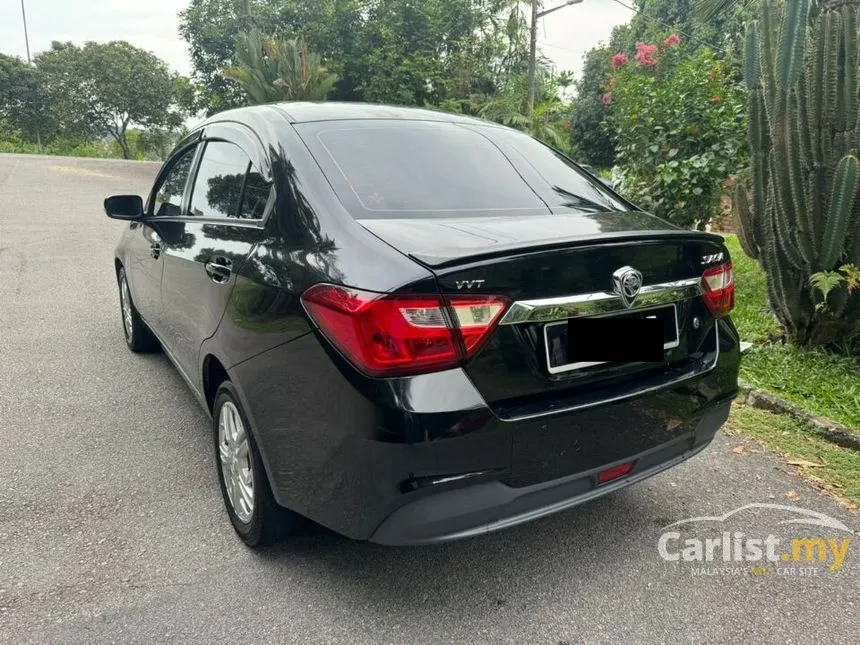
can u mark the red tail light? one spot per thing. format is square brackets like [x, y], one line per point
[719, 285]
[394, 335]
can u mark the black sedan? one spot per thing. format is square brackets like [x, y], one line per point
[412, 327]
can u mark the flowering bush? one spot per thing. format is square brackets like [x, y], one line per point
[619, 60]
[679, 123]
[672, 40]
[646, 54]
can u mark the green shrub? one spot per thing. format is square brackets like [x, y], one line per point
[679, 122]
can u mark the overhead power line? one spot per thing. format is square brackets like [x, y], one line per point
[669, 26]
[564, 49]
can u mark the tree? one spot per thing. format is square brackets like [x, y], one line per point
[549, 120]
[212, 28]
[103, 88]
[275, 69]
[589, 142]
[432, 52]
[654, 17]
[24, 104]
[416, 53]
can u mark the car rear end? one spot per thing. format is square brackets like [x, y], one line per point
[488, 406]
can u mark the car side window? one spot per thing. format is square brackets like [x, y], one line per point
[255, 196]
[220, 178]
[168, 198]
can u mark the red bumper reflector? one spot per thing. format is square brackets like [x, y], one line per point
[614, 473]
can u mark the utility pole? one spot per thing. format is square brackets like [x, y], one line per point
[26, 37]
[30, 62]
[537, 14]
[530, 107]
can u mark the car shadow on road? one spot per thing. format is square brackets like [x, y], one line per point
[570, 549]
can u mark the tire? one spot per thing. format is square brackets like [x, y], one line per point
[138, 336]
[262, 521]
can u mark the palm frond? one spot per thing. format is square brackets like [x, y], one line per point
[272, 69]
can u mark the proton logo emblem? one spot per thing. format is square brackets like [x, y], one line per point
[626, 283]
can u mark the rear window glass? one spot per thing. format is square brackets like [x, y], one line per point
[571, 185]
[422, 168]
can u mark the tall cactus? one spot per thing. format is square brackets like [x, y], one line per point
[800, 213]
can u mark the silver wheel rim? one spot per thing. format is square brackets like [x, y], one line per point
[235, 457]
[125, 301]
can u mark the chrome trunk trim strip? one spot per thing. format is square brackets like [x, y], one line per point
[601, 302]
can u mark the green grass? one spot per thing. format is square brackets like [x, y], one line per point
[820, 382]
[839, 472]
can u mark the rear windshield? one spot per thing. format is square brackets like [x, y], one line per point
[570, 185]
[388, 169]
[402, 169]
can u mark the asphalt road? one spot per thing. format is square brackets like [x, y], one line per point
[112, 528]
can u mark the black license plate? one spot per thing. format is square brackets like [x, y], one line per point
[638, 336]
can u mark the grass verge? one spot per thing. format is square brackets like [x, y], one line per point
[820, 382]
[831, 468]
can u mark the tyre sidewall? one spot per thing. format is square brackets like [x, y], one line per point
[141, 339]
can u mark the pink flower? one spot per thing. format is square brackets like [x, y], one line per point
[607, 99]
[645, 54]
[716, 100]
[710, 78]
[672, 40]
[618, 60]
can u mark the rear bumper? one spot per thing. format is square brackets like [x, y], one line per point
[424, 459]
[491, 506]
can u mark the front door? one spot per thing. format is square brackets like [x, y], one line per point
[202, 257]
[145, 262]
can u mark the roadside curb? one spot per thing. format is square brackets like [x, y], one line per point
[828, 429]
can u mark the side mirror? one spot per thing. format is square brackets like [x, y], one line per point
[125, 207]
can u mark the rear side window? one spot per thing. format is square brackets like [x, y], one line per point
[255, 196]
[417, 169]
[227, 184]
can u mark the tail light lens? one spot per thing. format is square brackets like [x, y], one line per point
[394, 335]
[719, 285]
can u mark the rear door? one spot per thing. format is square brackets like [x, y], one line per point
[224, 219]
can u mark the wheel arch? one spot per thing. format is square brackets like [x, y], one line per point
[213, 375]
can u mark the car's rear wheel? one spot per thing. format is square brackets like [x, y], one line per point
[138, 336]
[250, 504]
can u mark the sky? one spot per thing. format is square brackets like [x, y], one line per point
[563, 36]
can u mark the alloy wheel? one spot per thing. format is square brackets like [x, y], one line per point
[236, 466]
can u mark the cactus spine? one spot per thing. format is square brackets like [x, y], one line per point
[800, 214]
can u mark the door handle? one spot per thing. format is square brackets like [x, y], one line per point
[155, 250]
[219, 269]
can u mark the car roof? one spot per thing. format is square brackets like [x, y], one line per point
[306, 112]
